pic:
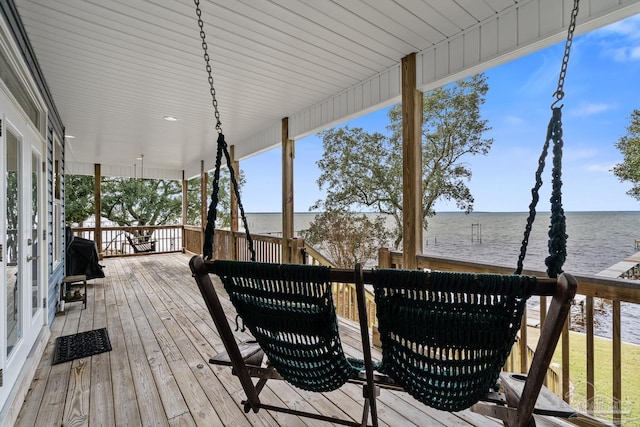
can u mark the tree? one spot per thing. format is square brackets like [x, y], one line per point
[224, 200]
[140, 202]
[12, 208]
[629, 146]
[364, 171]
[348, 238]
[78, 198]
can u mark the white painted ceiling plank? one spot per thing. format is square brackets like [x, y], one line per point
[500, 5]
[478, 9]
[392, 25]
[364, 39]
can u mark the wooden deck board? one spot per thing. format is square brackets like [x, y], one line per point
[158, 372]
[124, 404]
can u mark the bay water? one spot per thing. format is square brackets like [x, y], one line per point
[597, 240]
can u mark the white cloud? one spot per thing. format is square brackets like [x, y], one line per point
[599, 168]
[580, 153]
[620, 40]
[514, 120]
[623, 54]
[591, 108]
[626, 28]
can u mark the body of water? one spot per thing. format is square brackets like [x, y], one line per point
[597, 240]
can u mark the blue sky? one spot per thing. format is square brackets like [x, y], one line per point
[602, 88]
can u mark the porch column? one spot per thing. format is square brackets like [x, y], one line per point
[233, 203]
[288, 154]
[97, 197]
[412, 164]
[203, 202]
[185, 206]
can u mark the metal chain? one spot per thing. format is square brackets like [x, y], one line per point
[557, 231]
[559, 93]
[207, 249]
[212, 89]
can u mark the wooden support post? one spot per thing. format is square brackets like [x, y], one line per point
[97, 193]
[288, 154]
[185, 206]
[384, 258]
[234, 204]
[412, 164]
[295, 250]
[203, 203]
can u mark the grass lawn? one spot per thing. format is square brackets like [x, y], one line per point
[603, 375]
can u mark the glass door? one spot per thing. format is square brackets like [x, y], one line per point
[24, 287]
[13, 288]
[34, 244]
[23, 275]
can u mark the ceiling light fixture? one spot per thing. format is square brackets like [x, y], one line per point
[69, 137]
[170, 118]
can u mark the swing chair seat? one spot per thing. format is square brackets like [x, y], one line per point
[140, 245]
[438, 374]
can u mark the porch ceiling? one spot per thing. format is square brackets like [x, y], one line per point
[116, 68]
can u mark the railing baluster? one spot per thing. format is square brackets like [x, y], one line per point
[565, 360]
[617, 370]
[590, 356]
[524, 366]
[113, 241]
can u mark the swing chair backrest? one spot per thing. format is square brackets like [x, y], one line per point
[289, 309]
[445, 336]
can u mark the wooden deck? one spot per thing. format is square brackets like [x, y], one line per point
[158, 373]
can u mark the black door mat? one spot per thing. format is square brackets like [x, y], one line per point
[83, 344]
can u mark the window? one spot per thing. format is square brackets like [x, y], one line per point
[19, 91]
[58, 220]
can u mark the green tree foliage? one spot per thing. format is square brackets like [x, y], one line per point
[78, 198]
[12, 214]
[363, 170]
[346, 237]
[629, 146]
[139, 202]
[224, 200]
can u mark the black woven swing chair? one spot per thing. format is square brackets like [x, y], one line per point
[445, 336]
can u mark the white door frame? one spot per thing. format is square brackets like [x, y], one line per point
[23, 110]
[30, 321]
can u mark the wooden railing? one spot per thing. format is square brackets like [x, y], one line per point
[344, 294]
[192, 238]
[167, 238]
[613, 291]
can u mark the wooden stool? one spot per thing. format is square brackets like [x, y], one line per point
[77, 280]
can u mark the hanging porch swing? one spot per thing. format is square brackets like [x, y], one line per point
[445, 335]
